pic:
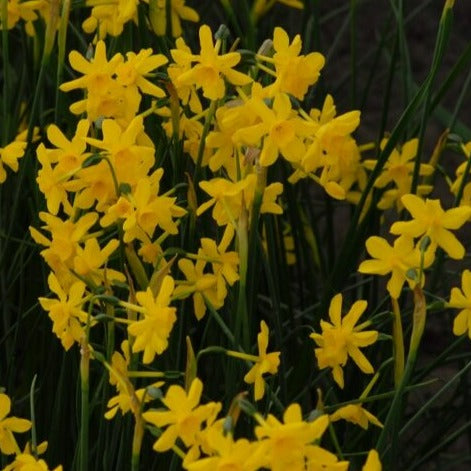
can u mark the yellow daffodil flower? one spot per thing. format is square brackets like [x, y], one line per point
[428, 218]
[178, 11]
[294, 73]
[202, 286]
[66, 312]
[397, 260]
[27, 462]
[267, 363]
[341, 339]
[461, 299]
[152, 332]
[9, 156]
[372, 462]
[226, 453]
[398, 170]
[184, 417]
[356, 414]
[8, 426]
[285, 445]
[212, 68]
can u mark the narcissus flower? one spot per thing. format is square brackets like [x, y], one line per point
[461, 299]
[66, 312]
[372, 462]
[285, 445]
[184, 417]
[211, 68]
[137, 67]
[429, 219]
[398, 170]
[397, 260]
[27, 462]
[8, 426]
[110, 17]
[202, 286]
[294, 73]
[9, 156]
[20, 10]
[281, 129]
[152, 332]
[224, 264]
[178, 11]
[267, 363]
[356, 414]
[341, 339]
[227, 454]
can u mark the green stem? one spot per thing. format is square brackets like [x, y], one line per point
[201, 147]
[388, 441]
[84, 416]
[242, 321]
[61, 39]
[137, 442]
[398, 345]
[6, 79]
[34, 442]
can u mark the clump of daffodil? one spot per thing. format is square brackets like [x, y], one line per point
[125, 160]
[66, 235]
[143, 210]
[332, 157]
[279, 128]
[341, 339]
[114, 87]
[461, 299]
[60, 164]
[430, 219]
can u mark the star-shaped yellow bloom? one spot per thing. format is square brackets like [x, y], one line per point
[341, 339]
[429, 219]
[151, 333]
[8, 425]
[397, 260]
[211, 68]
[267, 363]
[461, 299]
[184, 417]
[356, 414]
